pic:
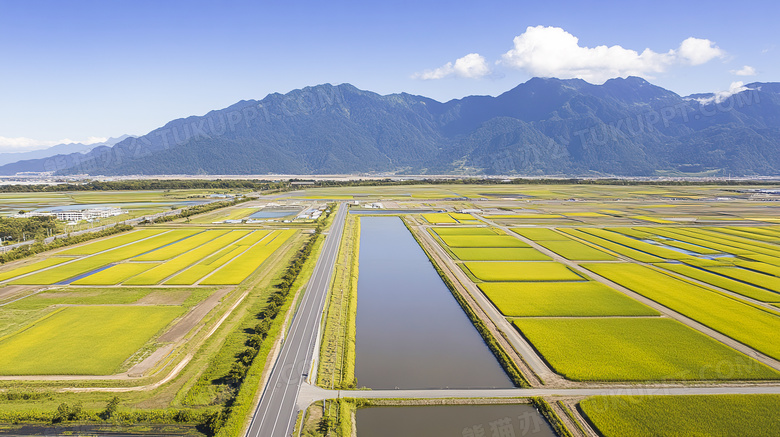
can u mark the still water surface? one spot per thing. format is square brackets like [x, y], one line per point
[411, 332]
[452, 421]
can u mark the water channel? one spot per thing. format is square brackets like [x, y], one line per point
[452, 421]
[411, 332]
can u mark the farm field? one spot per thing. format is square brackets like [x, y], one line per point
[576, 251]
[111, 243]
[482, 241]
[636, 245]
[499, 254]
[238, 269]
[762, 280]
[541, 234]
[137, 203]
[726, 283]
[635, 349]
[565, 299]
[612, 246]
[645, 238]
[55, 345]
[462, 230]
[152, 256]
[449, 218]
[747, 324]
[32, 267]
[521, 271]
[666, 416]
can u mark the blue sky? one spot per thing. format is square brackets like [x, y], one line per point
[76, 70]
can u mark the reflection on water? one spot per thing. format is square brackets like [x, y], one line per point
[452, 421]
[411, 332]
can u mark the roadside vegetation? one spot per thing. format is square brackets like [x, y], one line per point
[246, 351]
[337, 350]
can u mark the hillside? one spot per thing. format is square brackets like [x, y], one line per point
[625, 127]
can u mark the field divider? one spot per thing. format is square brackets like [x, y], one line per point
[721, 290]
[728, 341]
[531, 366]
[690, 322]
[79, 258]
[233, 258]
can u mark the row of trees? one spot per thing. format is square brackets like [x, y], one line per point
[38, 247]
[265, 185]
[276, 301]
[20, 229]
[199, 209]
[151, 184]
[526, 181]
[75, 412]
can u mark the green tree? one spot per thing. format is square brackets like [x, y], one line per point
[62, 414]
[325, 425]
[111, 408]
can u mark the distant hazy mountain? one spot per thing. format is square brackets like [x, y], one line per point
[41, 154]
[542, 127]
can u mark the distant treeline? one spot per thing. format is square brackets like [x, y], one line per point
[38, 247]
[19, 229]
[265, 185]
[151, 184]
[522, 181]
[198, 209]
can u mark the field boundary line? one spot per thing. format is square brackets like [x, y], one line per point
[539, 373]
[234, 258]
[82, 257]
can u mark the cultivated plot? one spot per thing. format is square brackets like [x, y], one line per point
[55, 345]
[667, 416]
[521, 271]
[636, 349]
[750, 325]
[565, 299]
[150, 257]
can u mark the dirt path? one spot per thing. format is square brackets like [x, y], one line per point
[9, 291]
[728, 341]
[533, 367]
[189, 321]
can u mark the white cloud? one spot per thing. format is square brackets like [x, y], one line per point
[719, 96]
[696, 51]
[747, 70]
[553, 52]
[472, 66]
[22, 144]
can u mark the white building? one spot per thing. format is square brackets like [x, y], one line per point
[76, 215]
[88, 214]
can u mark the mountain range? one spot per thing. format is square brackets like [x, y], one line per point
[625, 127]
[32, 158]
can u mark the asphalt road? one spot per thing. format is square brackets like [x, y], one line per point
[276, 414]
[312, 393]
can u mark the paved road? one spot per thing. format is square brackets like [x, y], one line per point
[278, 410]
[311, 393]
